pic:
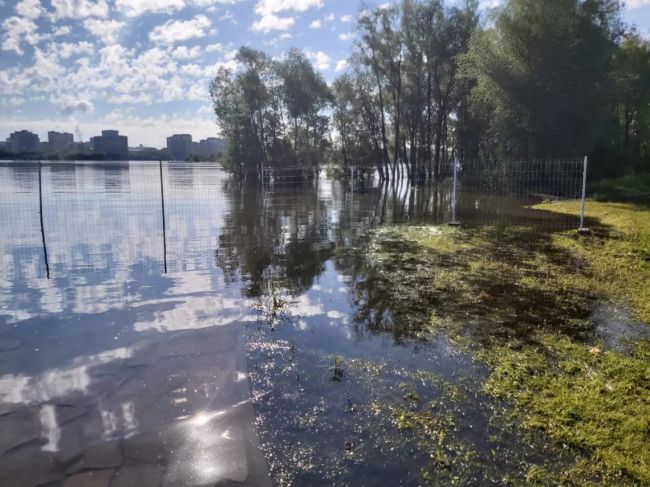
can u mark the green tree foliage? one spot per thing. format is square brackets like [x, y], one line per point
[271, 112]
[428, 82]
[541, 76]
[629, 135]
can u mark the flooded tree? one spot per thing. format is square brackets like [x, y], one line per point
[428, 82]
[539, 80]
[271, 113]
[401, 96]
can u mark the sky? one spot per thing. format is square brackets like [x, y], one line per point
[144, 66]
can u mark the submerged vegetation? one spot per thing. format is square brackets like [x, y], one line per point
[520, 300]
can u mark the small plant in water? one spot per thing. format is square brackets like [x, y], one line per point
[411, 396]
[352, 408]
[272, 308]
[337, 370]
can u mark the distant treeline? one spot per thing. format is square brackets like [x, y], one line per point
[427, 82]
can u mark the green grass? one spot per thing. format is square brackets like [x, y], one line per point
[596, 401]
[615, 257]
[520, 299]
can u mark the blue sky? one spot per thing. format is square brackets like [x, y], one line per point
[143, 66]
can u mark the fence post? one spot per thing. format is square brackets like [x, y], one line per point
[453, 221]
[162, 203]
[40, 213]
[582, 229]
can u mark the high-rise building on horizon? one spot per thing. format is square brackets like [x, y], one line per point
[179, 146]
[24, 141]
[211, 146]
[60, 141]
[112, 145]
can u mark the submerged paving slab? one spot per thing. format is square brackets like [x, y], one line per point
[94, 478]
[179, 412]
[147, 447]
[18, 428]
[29, 467]
[102, 455]
[138, 475]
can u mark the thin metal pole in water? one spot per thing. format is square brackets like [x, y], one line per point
[352, 191]
[40, 212]
[162, 200]
[453, 195]
[582, 228]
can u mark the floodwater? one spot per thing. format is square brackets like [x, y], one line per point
[167, 326]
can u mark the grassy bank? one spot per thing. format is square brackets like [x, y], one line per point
[521, 300]
[615, 257]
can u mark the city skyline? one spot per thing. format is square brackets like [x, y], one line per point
[57, 135]
[86, 65]
[110, 144]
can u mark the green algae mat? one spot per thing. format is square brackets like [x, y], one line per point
[521, 300]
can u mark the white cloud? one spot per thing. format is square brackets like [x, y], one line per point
[319, 58]
[267, 10]
[271, 22]
[316, 24]
[129, 99]
[17, 30]
[205, 110]
[13, 82]
[134, 8]
[173, 90]
[114, 61]
[329, 18]
[29, 8]
[62, 30]
[192, 70]
[211, 71]
[174, 31]
[46, 67]
[346, 36]
[106, 30]
[198, 91]
[342, 65]
[228, 15]
[166, 71]
[347, 18]
[630, 3]
[155, 61]
[269, 7]
[79, 9]
[218, 47]
[66, 50]
[183, 52]
[77, 106]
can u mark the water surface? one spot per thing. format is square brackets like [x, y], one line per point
[169, 326]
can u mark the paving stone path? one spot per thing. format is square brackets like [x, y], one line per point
[173, 411]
